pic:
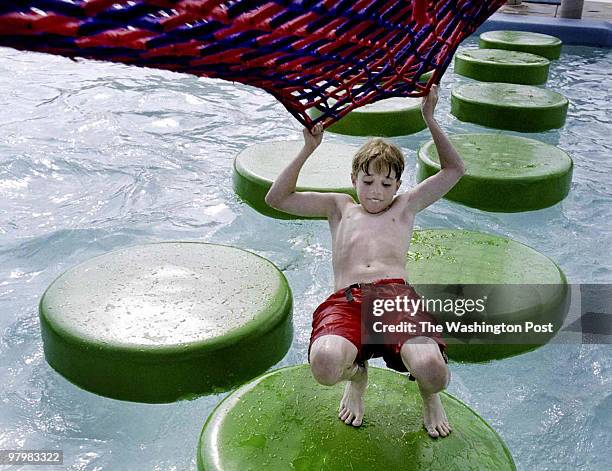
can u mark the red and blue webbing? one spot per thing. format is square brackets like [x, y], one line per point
[304, 52]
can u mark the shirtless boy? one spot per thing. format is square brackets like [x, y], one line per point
[369, 245]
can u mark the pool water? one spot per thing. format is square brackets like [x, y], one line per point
[95, 157]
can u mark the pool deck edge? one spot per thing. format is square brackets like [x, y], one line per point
[583, 32]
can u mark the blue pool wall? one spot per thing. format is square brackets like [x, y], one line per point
[594, 33]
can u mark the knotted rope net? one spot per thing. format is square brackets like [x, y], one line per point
[328, 55]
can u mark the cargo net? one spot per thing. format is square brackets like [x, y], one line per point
[320, 59]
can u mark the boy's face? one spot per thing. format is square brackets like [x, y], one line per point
[376, 190]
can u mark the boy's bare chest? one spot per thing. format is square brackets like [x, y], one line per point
[357, 229]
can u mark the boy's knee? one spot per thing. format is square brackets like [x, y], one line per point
[431, 369]
[327, 365]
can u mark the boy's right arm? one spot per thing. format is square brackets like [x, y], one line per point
[282, 194]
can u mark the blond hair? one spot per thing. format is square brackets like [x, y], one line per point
[383, 156]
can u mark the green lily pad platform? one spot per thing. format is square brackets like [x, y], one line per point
[503, 173]
[509, 106]
[385, 118]
[284, 420]
[166, 321]
[535, 43]
[498, 65]
[389, 117]
[328, 169]
[515, 283]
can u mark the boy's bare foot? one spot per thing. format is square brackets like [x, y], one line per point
[434, 417]
[351, 406]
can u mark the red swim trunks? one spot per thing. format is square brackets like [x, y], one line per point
[341, 314]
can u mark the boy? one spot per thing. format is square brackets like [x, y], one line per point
[369, 245]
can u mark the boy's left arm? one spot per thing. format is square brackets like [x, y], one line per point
[452, 168]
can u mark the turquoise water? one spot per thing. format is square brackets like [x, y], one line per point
[95, 157]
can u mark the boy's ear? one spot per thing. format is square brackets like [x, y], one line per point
[399, 183]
